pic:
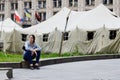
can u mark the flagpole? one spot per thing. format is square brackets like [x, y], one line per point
[62, 37]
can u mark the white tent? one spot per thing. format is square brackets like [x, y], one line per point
[93, 19]
[57, 21]
[100, 20]
[7, 28]
[54, 25]
[9, 25]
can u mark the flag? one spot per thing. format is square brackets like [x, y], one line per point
[17, 17]
[27, 13]
[37, 16]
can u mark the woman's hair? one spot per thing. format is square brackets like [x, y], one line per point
[33, 37]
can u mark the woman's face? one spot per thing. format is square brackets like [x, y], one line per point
[31, 39]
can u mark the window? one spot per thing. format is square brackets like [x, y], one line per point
[45, 37]
[54, 3]
[54, 13]
[2, 6]
[25, 4]
[107, 1]
[110, 1]
[87, 2]
[90, 35]
[90, 2]
[93, 2]
[42, 4]
[65, 35]
[12, 17]
[14, 6]
[28, 5]
[104, 1]
[43, 16]
[70, 3]
[111, 9]
[26, 25]
[73, 3]
[57, 3]
[24, 37]
[112, 34]
[1, 17]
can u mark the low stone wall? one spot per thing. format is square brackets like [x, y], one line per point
[50, 61]
[10, 64]
[80, 58]
[71, 59]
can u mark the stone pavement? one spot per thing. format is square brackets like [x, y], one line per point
[3, 75]
[82, 70]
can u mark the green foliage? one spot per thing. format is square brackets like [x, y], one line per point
[12, 57]
[50, 55]
[106, 53]
[6, 57]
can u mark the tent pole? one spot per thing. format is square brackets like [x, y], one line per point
[1, 40]
[62, 37]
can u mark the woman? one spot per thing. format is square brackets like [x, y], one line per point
[32, 50]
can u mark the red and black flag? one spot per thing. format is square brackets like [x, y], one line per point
[37, 16]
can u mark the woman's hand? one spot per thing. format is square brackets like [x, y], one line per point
[34, 52]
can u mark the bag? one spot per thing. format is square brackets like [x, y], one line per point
[23, 48]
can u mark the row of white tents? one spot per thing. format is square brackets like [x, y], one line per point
[100, 21]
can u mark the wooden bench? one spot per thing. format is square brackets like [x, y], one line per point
[9, 72]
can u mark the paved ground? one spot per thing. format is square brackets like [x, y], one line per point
[3, 75]
[84, 70]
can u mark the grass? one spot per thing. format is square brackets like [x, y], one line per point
[12, 57]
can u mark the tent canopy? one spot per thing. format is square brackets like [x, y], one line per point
[87, 20]
[93, 19]
[57, 21]
[100, 19]
[9, 25]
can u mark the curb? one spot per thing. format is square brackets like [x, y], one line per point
[77, 58]
[45, 62]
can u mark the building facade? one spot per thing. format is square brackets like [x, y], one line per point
[48, 8]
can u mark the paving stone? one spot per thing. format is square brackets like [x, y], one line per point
[9, 72]
[81, 70]
[3, 75]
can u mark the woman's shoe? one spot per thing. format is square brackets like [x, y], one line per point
[37, 66]
[31, 67]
